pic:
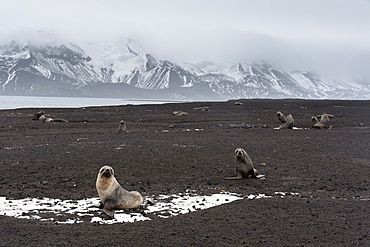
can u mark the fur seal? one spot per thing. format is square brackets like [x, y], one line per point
[281, 117]
[45, 119]
[37, 116]
[323, 122]
[122, 126]
[244, 166]
[112, 195]
[41, 116]
[314, 120]
[288, 124]
[49, 119]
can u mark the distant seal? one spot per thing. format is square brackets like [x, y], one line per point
[37, 116]
[49, 119]
[41, 116]
[281, 117]
[314, 120]
[288, 124]
[244, 166]
[321, 121]
[122, 126]
[112, 195]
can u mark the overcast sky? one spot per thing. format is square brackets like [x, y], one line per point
[331, 36]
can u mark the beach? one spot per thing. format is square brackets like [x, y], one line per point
[316, 180]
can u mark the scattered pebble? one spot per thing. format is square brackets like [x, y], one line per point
[180, 113]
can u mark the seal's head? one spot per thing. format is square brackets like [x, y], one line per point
[239, 152]
[106, 172]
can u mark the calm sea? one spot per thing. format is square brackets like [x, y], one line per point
[13, 102]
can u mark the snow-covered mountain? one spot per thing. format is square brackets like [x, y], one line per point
[123, 69]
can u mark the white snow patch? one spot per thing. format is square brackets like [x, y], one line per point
[286, 193]
[295, 128]
[71, 211]
[186, 203]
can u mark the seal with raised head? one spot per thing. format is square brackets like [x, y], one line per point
[41, 116]
[244, 166]
[288, 124]
[37, 116]
[112, 195]
[281, 117]
[122, 126]
[314, 120]
[323, 122]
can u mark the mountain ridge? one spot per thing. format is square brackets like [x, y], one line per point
[124, 68]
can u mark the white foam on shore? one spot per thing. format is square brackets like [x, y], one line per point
[72, 211]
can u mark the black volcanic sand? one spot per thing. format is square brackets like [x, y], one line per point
[164, 154]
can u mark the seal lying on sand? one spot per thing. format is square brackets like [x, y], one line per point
[323, 122]
[244, 166]
[37, 116]
[41, 116]
[49, 119]
[287, 121]
[112, 195]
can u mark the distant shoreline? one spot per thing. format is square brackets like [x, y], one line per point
[20, 102]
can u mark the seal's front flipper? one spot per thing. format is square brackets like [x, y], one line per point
[109, 207]
[109, 213]
[256, 175]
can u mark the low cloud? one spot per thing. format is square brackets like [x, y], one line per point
[329, 37]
